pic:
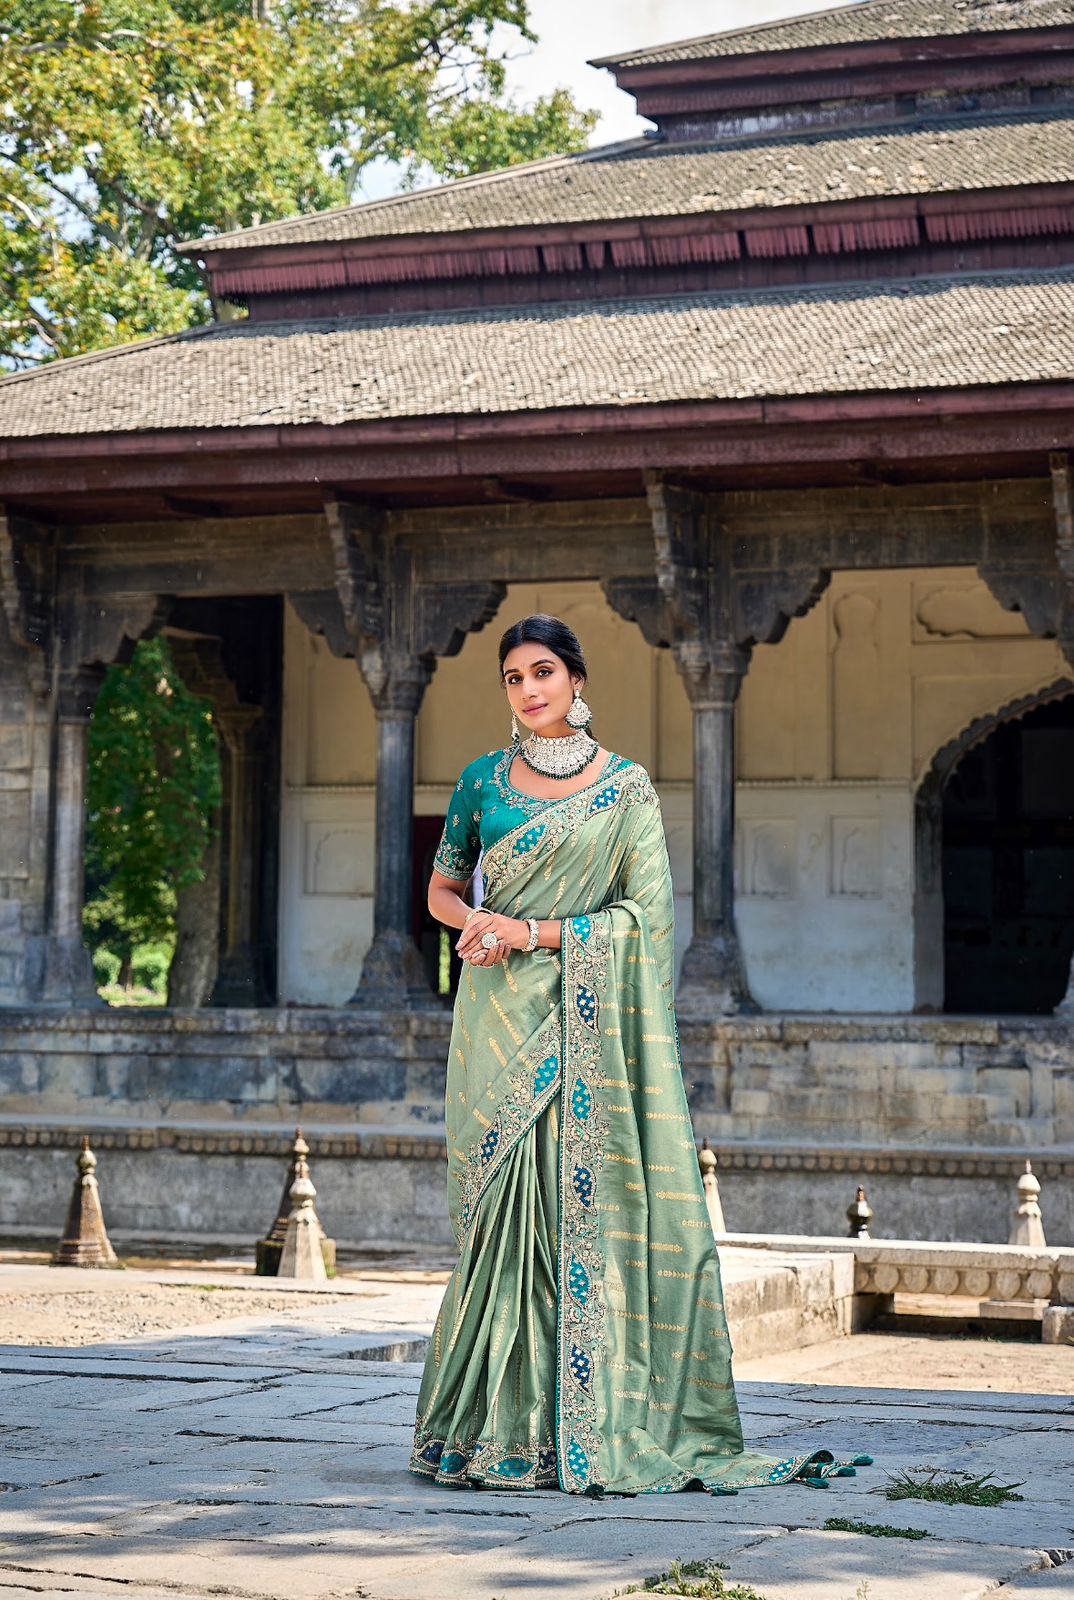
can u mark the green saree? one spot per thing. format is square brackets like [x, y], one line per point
[582, 1341]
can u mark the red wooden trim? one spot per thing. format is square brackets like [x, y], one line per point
[848, 58]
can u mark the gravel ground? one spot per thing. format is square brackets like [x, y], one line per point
[915, 1361]
[90, 1316]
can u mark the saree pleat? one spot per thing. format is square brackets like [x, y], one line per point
[487, 1396]
[582, 1341]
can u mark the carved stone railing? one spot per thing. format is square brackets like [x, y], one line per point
[886, 1267]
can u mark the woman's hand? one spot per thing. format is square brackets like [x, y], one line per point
[511, 934]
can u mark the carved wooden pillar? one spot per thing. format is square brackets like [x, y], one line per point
[713, 975]
[68, 969]
[393, 970]
[27, 587]
[396, 626]
[689, 608]
[710, 612]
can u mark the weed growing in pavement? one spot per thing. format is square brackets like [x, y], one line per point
[697, 1580]
[876, 1530]
[952, 1489]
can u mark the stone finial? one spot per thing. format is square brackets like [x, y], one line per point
[85, 1241]
[270, 1247]
[859, 1215]
[706, 1160]
[1027, 1227]
[302, 1255]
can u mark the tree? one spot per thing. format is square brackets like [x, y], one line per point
[127, 126]
[153, 792]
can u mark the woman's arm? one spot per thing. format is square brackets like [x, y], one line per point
[447, 906]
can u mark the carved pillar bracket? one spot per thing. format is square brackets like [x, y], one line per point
[27, 584]
[398, 626]
[710, 603]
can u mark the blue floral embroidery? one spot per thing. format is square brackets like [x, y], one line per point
[527, 840]
[578, 1462]
[586, 1002]
[488, 1145]
[605, 799]
[578, 1281]
[546, 1075]
[581, 1367]
[582, 1184]
[582, 927]
[581, 1100]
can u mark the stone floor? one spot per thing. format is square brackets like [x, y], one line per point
[264, 1456]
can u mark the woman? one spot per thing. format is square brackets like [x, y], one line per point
[582, 1340]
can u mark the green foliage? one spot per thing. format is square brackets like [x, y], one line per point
[153, 789]
[875, 1530]
[697, 1580]
[127, 126]
[953, 1489]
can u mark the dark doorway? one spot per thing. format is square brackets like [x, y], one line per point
[436, 943]
[1008, 866]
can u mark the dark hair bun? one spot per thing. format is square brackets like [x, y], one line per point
[551, 632]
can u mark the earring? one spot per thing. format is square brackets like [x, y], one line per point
[515, 735]
[579, 716]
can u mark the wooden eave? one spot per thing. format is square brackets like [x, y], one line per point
[849, 58]
[270, 269]
[970, 433]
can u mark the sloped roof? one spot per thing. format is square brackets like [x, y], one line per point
[919, 334]
[649, 179]
[858, 23]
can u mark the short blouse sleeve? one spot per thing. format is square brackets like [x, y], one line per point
[460, 843]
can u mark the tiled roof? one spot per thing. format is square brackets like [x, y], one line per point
[858, 24]
[912, 335]
[650, 179]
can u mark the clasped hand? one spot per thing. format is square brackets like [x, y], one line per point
[511, 934]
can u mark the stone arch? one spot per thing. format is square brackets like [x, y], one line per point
[928, 834]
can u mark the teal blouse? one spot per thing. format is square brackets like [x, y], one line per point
[485, 805]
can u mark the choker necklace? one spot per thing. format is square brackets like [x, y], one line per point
[559, 758]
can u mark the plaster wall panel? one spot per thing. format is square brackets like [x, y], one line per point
[782, 723]
[674, 723]
[856, 679]
[826, 922]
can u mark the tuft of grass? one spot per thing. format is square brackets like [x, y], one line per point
[876, 1530]
[953, 1489]
[696, 1580]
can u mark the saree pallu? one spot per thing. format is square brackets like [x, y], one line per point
[582, 1342]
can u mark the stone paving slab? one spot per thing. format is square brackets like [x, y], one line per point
[264, 1459]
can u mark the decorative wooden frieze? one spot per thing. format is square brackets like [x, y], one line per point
[27, 585]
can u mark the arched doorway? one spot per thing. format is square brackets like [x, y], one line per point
[1007, 852]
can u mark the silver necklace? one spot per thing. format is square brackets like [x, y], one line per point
[559, 758]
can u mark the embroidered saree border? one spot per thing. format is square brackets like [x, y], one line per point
[585, 950]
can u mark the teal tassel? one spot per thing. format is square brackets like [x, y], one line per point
[595, 1491]
[816, 1483]
[719, 1489]
[847, 1472]
[863, 1461]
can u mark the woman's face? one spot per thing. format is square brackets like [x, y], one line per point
[539, 688]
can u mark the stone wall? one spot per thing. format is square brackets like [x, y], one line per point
[194, 1111]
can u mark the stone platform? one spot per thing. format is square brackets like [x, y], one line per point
[935, 1115]
[266, 1461]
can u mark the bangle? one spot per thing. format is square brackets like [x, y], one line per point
[535, 934]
